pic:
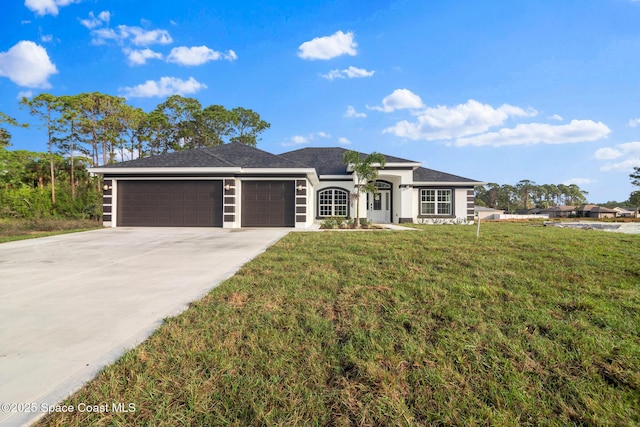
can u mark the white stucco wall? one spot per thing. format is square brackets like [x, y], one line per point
[459, 202]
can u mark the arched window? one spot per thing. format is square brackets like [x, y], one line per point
[333, 202]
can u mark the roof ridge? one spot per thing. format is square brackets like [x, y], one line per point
[271, 154]
[205, 151]
[395, 158]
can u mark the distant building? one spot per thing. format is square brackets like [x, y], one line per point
[593, 211]
[487, 213]
[624, 213]
[560, 211]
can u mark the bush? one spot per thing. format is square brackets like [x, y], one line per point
[25, 203]
[333, 222]
[444, 221]
[29, 203]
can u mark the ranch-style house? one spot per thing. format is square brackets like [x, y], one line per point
[235, 185]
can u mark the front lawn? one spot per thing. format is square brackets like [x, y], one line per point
[524, 326]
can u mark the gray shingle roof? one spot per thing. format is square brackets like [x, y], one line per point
[430, 175]
[325, 160]
[329, 160]
[226, 155]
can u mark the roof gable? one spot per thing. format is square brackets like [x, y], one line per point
[330, 160]
[246, 156]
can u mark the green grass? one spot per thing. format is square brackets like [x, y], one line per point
[524, 326]
[20, 229]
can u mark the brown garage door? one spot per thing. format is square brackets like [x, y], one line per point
[268, 204]
[170, 203]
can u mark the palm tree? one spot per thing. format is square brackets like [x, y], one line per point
[365, 171]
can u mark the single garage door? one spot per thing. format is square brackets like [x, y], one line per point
[268, 204]
[170, 203]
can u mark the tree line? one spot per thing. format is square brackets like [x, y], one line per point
[106, 128]
[526, 194]
[91, 129]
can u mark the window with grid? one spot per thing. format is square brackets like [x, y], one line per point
[435, 202]
[333, 202]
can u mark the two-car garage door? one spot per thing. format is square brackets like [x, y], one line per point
[170, 203]
[192, 203]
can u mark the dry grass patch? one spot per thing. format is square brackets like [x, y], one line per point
[20, 229]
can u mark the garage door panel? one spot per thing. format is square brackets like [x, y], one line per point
[268, 204]
[170, 203]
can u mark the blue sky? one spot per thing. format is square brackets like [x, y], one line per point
[496, 91]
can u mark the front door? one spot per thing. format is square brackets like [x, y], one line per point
[379, 206]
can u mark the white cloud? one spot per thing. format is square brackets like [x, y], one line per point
[93, 21]
[102, 35]
[351, 73]
[400, 99]
[441, 122]
[140, 57]
[105, 16]
[352, 113]
[629, 153]
[166, 86]
[329, 46]
[539, 133]
[634, 122]
[623, 166]
[136, 35]
[46, 38]
[24, 94]
[198, 55]
[579, 181]
[333, 74]
[607, 153]
[343, 141]
[302, 139]
[27, 64]
[630, 147]
[557, 117]
[141, 37]
[44, 7]
[354, 73]
[296, 140]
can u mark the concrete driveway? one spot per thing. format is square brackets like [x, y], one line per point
[72, 304]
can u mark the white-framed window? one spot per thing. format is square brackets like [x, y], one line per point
[333, 202]
[435, 202]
